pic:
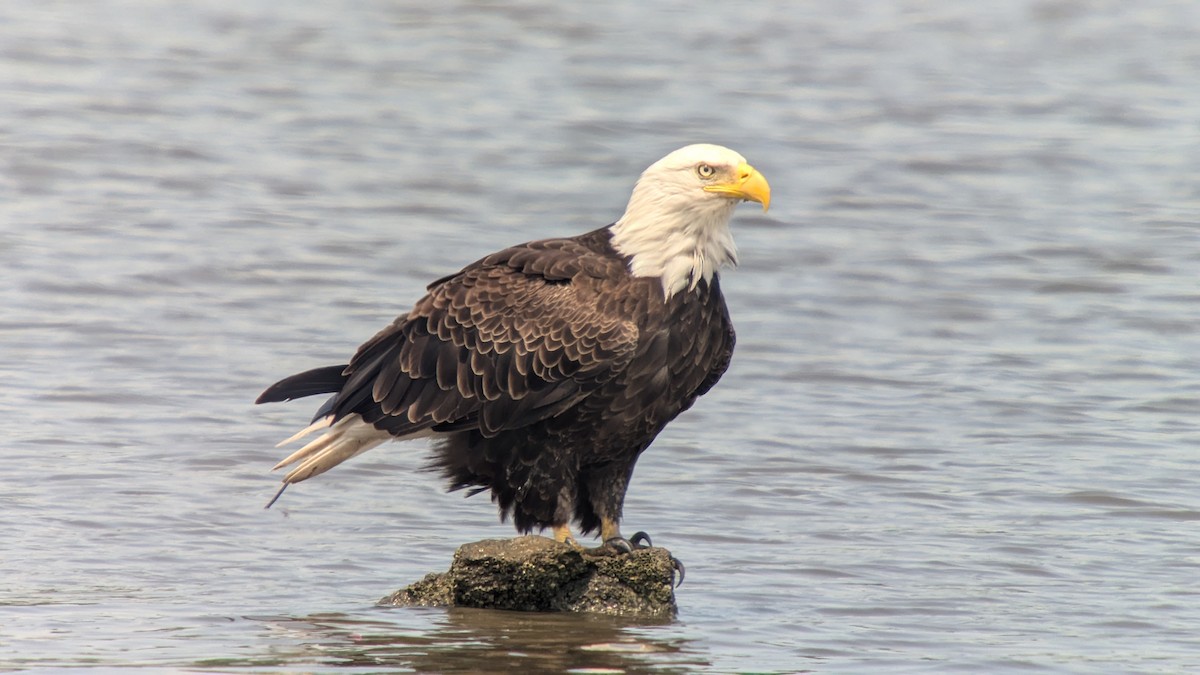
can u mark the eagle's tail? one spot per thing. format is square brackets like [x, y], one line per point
[346, 438]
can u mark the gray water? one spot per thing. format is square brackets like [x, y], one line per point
[960, 432]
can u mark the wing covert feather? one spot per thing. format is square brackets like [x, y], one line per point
[513, 339]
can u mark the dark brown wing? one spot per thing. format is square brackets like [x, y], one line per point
[511, 340]
[720, 347]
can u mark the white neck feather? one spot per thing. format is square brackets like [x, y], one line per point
[679, 240]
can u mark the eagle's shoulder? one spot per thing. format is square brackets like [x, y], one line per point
[558, 259]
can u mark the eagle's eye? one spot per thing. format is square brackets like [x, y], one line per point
[705, 171]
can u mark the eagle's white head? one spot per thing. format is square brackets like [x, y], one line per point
[677, 223]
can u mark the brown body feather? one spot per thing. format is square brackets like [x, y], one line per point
[543, 371]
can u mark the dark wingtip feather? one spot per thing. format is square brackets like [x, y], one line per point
[316, 381]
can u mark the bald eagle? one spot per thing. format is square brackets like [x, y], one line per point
[543, 371]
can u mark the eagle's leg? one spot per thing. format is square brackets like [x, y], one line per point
[562, 534]
[610, 534]
[606, 485]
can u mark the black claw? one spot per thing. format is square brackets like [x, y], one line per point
[678, 565]
[620, 544]
[641, 540]
[638, 541]
[639, 537]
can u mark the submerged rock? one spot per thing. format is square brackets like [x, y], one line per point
[538, 574]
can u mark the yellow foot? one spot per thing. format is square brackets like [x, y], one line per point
[610, 534]
[562, 534]
[609, 529]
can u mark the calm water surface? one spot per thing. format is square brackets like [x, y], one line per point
[960, 433]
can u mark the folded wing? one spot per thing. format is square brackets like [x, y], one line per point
[511, 340]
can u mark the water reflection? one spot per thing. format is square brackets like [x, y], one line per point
[477, 640]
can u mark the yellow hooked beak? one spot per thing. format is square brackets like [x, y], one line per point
[747, 184]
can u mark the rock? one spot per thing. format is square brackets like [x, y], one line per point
[538, 574]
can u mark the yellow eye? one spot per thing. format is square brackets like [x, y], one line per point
[705, 171]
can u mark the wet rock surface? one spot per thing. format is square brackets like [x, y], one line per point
[538, 574]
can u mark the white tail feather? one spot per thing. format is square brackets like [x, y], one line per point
[348, 438]
[312, 447]
[319, 424]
